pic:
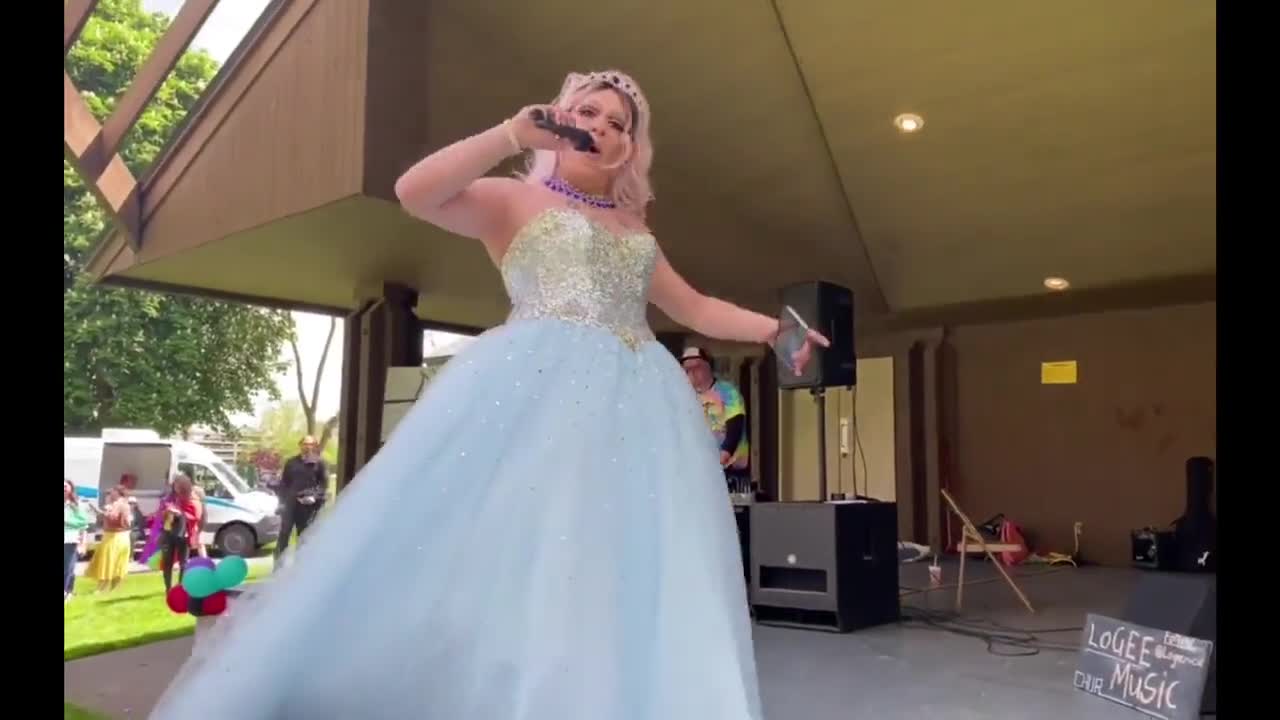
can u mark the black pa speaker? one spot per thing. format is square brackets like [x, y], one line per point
[827, 308]
[1182, 603]
[824, 566]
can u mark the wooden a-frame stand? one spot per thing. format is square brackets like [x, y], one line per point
[972, 541]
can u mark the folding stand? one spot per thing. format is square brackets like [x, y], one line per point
[971, 540]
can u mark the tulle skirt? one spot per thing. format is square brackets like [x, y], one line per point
[111, 556]
[545, 536]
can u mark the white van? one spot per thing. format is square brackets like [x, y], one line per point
[238, 520]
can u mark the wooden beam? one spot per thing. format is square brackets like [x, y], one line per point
[109, 180]
[191, 291]
[75, 13]
[81, 134]
[153, 72]
[1131, 295]
[93, 148]
[119, 190]
[455, 328]
[103, 254]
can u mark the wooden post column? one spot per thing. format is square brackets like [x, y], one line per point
[932, 417]
[383, 333]
[673, 341]
[916, 427]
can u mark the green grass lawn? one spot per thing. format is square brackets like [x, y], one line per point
[135, 614]
[71, 712]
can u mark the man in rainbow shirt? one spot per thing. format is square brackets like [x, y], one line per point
[726, 415]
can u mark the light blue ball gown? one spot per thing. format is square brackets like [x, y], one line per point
[545, 536]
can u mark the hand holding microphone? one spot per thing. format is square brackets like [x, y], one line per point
[543, 127]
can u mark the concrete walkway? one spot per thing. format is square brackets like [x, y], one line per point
[126, 683]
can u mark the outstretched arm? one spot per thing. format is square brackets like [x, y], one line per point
[715, 318]
[703, 314]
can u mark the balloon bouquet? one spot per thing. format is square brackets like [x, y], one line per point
[204, 586]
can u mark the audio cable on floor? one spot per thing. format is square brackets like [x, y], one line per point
[1020, 642]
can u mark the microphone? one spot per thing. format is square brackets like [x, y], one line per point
[581, 139]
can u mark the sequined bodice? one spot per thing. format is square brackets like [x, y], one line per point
[566, 266]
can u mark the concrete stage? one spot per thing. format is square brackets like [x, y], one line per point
[907, 671]
[915, 671]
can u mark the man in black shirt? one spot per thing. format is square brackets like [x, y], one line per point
[303, 487]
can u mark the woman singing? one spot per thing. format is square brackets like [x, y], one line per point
[545, 535]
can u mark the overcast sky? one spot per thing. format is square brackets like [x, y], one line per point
[222, 32]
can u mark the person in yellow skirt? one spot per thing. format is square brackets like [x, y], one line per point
[111, 558]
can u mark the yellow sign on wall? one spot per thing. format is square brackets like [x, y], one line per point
[1061, 372]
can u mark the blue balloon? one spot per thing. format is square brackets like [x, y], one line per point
[231, 572]
[200, 582]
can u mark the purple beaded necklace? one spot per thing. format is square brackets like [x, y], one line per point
[557, 185]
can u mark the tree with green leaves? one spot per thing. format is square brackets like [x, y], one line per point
[283, 424]
[141, 359]
[309, 403]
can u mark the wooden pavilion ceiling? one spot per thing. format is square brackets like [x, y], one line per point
[1060, 139]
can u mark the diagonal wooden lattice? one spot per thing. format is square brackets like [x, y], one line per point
[93, 149]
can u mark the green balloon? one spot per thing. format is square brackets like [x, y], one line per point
[231, 572]
[200, 582]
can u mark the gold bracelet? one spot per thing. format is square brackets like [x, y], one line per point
[511, 135]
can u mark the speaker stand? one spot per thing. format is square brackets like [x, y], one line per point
[820, 400]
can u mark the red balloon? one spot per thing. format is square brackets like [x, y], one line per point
[178, 599]
[215, 604]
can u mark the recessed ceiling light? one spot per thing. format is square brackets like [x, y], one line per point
[1056, 283]
[908, 122]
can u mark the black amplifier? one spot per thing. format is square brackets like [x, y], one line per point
[824, 566]
[1153, 549]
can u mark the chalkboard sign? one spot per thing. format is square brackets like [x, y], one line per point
[1158, 673]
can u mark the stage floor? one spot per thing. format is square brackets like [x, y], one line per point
[914, 671]
[907, 671]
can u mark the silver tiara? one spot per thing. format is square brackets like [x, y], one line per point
[618, 80]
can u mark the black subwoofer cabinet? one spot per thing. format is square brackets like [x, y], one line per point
[826, 566]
